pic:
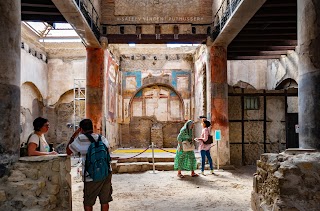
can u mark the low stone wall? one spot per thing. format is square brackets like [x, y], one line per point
[287, 182]
[37, 183]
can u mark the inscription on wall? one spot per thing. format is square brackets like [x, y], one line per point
[156, 11]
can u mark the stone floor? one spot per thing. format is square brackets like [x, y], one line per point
[163, 190]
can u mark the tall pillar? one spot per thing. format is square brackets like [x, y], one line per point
[10, 39]
[219, 100]
[95, 87]
[309, 74]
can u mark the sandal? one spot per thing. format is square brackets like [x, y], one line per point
[180, 176]
[194, 175]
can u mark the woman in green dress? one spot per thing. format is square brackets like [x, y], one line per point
[185, 160]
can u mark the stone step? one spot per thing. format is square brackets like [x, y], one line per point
[143, 159]
[141, 167]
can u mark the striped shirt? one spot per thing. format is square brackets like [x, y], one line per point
[81, 145]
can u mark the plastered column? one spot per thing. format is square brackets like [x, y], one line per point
[219, 101]
[10, 35]
[309, 73]
[95, 87]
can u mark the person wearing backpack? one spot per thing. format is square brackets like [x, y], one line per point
[96, 168]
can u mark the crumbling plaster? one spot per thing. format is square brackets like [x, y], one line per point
[61, 75]
[263, 74]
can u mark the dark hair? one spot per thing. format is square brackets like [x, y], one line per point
[207, 123]
[86, 125]
[38, 123]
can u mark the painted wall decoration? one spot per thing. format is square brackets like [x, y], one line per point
[199, 90]
[111, 89]
[156, 101]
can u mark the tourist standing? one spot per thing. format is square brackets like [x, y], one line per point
[81, 142]
[185, 160]
[204, 148]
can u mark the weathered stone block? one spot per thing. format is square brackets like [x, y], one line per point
[56, 166]
[3, 196]
[53, 189]
[16, 176]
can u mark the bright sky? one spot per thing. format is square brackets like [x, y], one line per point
[59, 32]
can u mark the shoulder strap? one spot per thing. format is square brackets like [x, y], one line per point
[89, 136]
[38, 147]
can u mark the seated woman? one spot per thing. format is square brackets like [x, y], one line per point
[37, 144]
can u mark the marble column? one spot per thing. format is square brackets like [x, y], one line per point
[219, 100]
[309, 73]
[95, 87]
[10, 39]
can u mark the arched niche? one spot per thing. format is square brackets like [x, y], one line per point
[287, 84]
[31, 107]
[157, 100]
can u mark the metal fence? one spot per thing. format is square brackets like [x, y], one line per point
[89, 12]
[223, 14]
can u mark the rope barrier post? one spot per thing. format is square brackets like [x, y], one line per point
[154, 167]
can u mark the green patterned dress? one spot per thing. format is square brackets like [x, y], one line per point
[185, 160]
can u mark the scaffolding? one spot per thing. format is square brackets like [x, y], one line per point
[79, 103]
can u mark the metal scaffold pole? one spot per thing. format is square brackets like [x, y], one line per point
[79, 101]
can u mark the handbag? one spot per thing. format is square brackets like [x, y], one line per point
[187, 146]
[209, 140]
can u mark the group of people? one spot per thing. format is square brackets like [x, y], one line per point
[186, 160]
[79, 143]
[84, 136]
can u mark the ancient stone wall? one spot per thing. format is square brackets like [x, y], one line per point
[287, 182]
[37, 183]
[257, 130]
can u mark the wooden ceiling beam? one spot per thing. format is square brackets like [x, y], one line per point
[265, 43]
[37, 5]
[269, 26]
[152, 39]
[240, 51]
[260, 37]
[254, 57]
[264, 20]
[276, 12]
[268, 32]
[261, 48]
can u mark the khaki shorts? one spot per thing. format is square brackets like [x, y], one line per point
[92, 190]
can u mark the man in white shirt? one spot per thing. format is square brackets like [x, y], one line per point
[79, 143]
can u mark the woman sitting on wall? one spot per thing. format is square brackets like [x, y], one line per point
[37, 144]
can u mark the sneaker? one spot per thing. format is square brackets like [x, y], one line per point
[202, 173]
[211, 171]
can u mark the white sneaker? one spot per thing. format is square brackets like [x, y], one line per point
[211, 171]
[202, 173]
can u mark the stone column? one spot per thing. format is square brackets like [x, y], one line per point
[309, 73]
[10, 39]
[219, 100]
[95, 87]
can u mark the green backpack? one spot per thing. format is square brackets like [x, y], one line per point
[97, 159]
